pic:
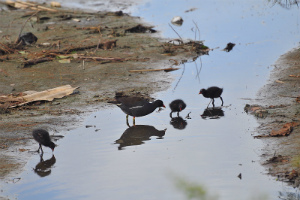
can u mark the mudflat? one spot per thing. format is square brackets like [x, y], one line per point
[278, 111]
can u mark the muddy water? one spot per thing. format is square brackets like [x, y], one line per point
[96, 161]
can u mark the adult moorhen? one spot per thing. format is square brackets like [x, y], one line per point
[212, 92]
[43, 138]
[137, 106]
[177, 106]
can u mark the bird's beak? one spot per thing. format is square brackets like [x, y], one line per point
[200, 93]
[164, 106]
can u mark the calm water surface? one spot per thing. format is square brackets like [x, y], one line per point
[90, 164]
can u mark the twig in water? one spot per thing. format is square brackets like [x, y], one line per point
[179, 78]
[198, 72]
[197, 75]
[197, 29]
[176, 32]
[200, 60]
[15, 180]
[188, 116]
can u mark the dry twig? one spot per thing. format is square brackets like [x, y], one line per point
[152, 70]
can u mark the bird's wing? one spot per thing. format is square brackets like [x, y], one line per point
[132, 101]
[136, 107]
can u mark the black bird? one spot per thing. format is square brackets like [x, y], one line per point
[212, 92]
[177, 106]
[137, 106]
[27, 38]
[43, 138]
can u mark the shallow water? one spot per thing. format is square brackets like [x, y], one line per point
[210, 152]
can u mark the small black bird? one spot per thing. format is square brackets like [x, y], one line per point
[43, 138]
[212, 92]
[27, 38]
[177, 106]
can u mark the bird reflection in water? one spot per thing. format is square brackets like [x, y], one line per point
[212, 113]
[136, 135]
[178, 123]
[43, 168]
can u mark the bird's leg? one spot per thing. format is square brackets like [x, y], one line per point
[208, 104]
[222, 101]
[39, 148]
[127, 121]
[133, 121]
[41, 157]
[42, 149]
[213, 102]
[128, 124]
[177, 114]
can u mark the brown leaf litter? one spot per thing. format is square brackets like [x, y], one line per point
[286, 130]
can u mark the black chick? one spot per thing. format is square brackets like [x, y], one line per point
[212, 92]
[43, 138]
[177, 106]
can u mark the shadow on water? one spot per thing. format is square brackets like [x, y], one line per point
[213, 113]
[43, 168]
[178, 123]
[136, 135]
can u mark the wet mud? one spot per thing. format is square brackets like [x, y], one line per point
[278, 111]
[97, 52]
